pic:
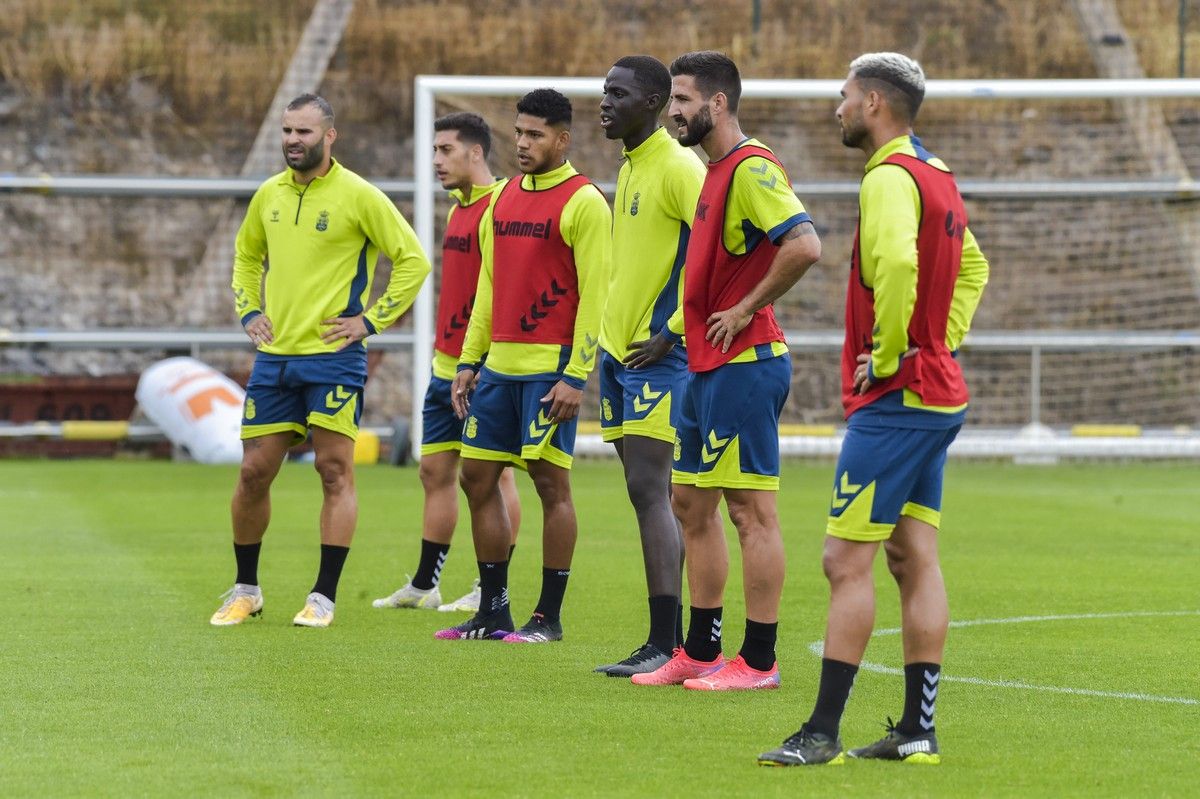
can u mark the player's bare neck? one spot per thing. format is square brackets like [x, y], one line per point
[881, 136]
[636, 138]
[721, 140]
[479, 177]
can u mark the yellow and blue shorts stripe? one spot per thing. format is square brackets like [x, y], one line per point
[884, 473]
[294, 393]
[507, 422]
[441, 430]
[641, 402]
[728, 429]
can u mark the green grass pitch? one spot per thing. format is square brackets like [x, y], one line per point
[115, 684]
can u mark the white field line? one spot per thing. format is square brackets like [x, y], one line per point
[818, 647]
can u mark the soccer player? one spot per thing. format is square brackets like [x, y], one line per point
[537, 316]
[751, 241]
[322, 227]
[461, 144]
[916, 277]
[657, 188]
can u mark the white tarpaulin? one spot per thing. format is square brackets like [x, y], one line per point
[196, 406]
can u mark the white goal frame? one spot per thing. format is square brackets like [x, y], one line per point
[1034, 443]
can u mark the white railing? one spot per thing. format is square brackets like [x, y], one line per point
[243, 188]
[175, 340]
[1035, 342]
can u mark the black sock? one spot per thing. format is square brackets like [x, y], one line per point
[493, 587]
[663, 613]
[332, 560]
[837, 678]
[758, 647]
[704, 634]
[554, 586]
[920, 695]
[679, 624]
[429, 571]
[247, 562]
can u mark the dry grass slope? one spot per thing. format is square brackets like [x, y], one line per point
[227, 54]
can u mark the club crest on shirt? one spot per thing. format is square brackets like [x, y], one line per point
[323, 221]
[633, 208]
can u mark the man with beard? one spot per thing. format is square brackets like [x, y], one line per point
[657, 188]
[461, 144]
[537, 317]
[916, 278]
[751, 241]
[322, 227]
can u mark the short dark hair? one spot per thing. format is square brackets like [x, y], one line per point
[547, 104]
[317, 100]
[714, 72]
[650, 75]
[898, 77]
[470, 128]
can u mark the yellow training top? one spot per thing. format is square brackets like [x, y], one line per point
[322, 241]
[657, 189]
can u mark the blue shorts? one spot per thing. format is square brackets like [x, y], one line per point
[641, 402]
[508, 423]
[441, 430]
[729, 425]
[884, 473]
[294, 393]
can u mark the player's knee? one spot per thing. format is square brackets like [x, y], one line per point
[898, 560]
[750, 519]
[909, 561]
[478, 481]
[334, 473]
[839, 569]
[744, 518]
[552, 488]
[832, 566]
[255, 478]
[646, 493]
[682, 506]
[434, 477]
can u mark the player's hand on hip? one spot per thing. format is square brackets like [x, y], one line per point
[564, 402]
[648, 352]
[723, 326]
[259, 330]
[862, 380]
[460, 392]
[862, 376]
[351, 328]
